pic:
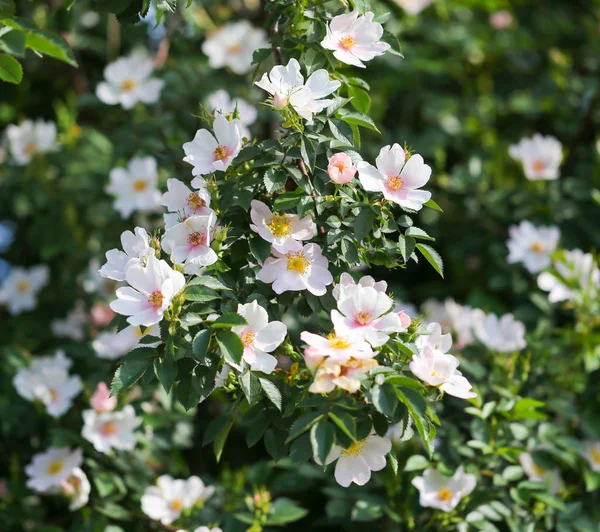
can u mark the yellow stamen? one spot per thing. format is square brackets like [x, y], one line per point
[248, 338]
[22, 287]
[395, 183]
[109, 428]
[196, 238]
[538, 166]
[347, 42]
[595, 455]
[156, 299]
[128, 85]
[355, 448]
[280, 226]
[235, 48]
[445, 494]
[297, 262]
[176, 505]
[538, 470]
[338, 343]
[138, 332]
[139, 185]
[220, 153]
[195, 201]
[364, 318]
[537, 247]
[54, 467]
[31, 148]
[53, 394]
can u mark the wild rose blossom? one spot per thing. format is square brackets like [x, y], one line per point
[532, 245]
[221, 102]
[113, 344]
[111, 430]
[339, 348]
[52, 467]
[540, 156]
[19, 289]
[102, 401]
[414, 7]
[29, 139]
[441, 492]
[341, 169]
[182, 202]
[136, 249]
[535, 473]
[503, 334]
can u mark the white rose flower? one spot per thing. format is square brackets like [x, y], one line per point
[283, 231]
[260, 337]
[135, 187]
[347, 281]
[504, 334]
[452, 317]
[441, 492]
[233, 45]
[52, 467]
[73, 326]
[21, 286]
[136, 249]
[331, 373]
[189, 242]
[165, 501]
[209, 154]
[355, 463]
[220, 101]
[355, 38]
[397, 179]
[77, 488]
[151, 290]
[185, 202]
[286, 85]
[113, 344]
[438, 369]
[414, 7]
[339, 348]
[535, 473]
[592, 454]
[297, 270]
[111, 430]
[532, 245]
[541, 157]
[128, 81]
[435, 339]
[29, 139]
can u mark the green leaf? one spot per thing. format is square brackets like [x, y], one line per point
[250, 386]
[549, 500]
[433, 257]
[209, 282]
[360, 119]
[7, 8]
[260, 249]
[200, 344]
[384, 399]
[231, 347]
[417, 408]
[433, 205]
[275, 443]
[217, 431]
[416, 462]
[287, 201]
[165, 368]
[112, 6]
[284, 511]
[345, 424]
[418, 233]
[308, 153]
[322, 438]
[200, 293]
[361, 100]
[363, 223]
[275, 179]
[229, 319]
[128, 374]
[406, 245]
[302, 424]
[10, 69]
[341, 131]
[349, 252]
[271, 391]
[13, 42]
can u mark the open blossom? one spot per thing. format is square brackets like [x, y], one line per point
[113, 344]
[348, 282]
[503, 334]
[551, 478]
[355, 463]
[111, 430]
[397, 179]
[233, 45]
[501, 20]
[52, 467]
[136, 249]
[338, 348]
[128, 81]
[102, 401]
[439, 369]
[150, 293]
[363, 314]
[21, 286]
[29, 139]
[47, 380]
[259, 336]
[331, 373]
[441, 492]
[578, 269]
[210, 154]
[135, 187]
[73, 326]
[414, 7]
[305, 269]
[341, 169]
[286, 85]
[532, 245]
[182, 202]
[283, 231]
[170, 497]
[355, 38]
[540, 156]
[591, 453]
[453, 317]
[435, 339]
[77, 488]
[221, 102]
[189, 242]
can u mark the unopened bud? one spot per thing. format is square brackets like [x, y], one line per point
[280, 101]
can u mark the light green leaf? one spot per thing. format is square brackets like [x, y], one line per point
[360, 119]
[433, 257]
[10, 69]
[271, 391]
[229, 319]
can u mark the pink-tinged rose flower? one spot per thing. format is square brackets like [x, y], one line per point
[101, 315]
[405, 320]
[501, 20]
[340, 169]
[102, 401]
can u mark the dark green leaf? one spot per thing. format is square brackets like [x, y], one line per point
[13, 42]
[275, 179]
[363, 223]
[322, 438]
[433, 257]
[231, 347]
[10, 69]
[229, 319]
[360, 99]
[302, 424]
[271, 391]
[127, 375]
[165, 368]
[250, 386]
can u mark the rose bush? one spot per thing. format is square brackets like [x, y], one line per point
[217, 219]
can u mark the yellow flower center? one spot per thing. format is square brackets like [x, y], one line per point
[279, 225]
[395, 183]
[54, 467]
[355, 448]
[347, 42]
[595, 455]
[109, 428]
[196, 238]
[235, 48]
[537, 247]
[364, 318]
[128, 85]
[538, 166]
[338, 343]
[139, 185]
[195, 201]
[31, 148]
[22, 287]
[297, 262]
[176, 505]
[53, 394]
[248, 338]
[538, 470]
[220, 153]
[445, 494]
[138, 332]
[156, 299]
